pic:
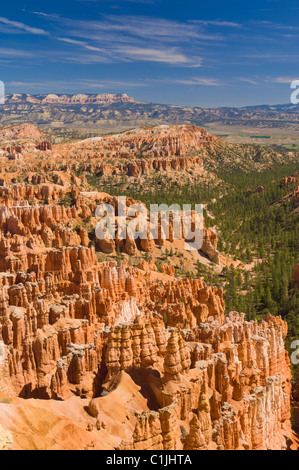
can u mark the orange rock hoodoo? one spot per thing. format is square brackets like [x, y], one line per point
[159, 354]
[294, 195]
[141, 166]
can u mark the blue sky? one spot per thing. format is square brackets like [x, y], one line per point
[187, 52]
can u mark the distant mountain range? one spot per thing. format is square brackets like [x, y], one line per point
[107, 112]
[103, 98]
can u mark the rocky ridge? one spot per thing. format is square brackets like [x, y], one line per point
[102, 98]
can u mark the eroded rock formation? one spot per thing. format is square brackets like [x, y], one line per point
[115, 355]
[70, 325]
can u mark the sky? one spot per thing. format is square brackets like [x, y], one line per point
[182, 52]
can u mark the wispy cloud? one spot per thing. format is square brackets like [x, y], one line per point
[123, 38]
[67, 86]
[200, 81]
[111, 84]
[251, 81]
[10, 53]
[75, 86]
[271, 24]
[204, 52]
[138, 28]
[23, 27]
[273, 57]
[171, 56]
[82, 44]
[154, 28]
[283, 80]
[229, 24]
[133, 54]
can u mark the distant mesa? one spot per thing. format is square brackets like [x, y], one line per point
[102, 98]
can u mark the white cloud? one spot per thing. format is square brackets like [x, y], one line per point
[171, 56]
[272, 25]
[81, 43]
[283, 79]
[22, 26]
[200, 81]
[228, 24]
[251, 81]
[126, 38]
[7, 52]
